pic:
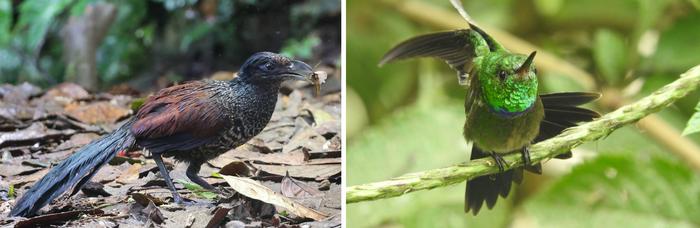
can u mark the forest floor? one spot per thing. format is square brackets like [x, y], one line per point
[289, 175]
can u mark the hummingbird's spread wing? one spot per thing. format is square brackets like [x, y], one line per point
[561, 112]
[451, 46]
[458, 48]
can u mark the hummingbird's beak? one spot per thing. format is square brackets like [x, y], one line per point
[526, 65]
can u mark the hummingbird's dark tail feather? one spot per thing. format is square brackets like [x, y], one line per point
[74, 172]
[488, 188]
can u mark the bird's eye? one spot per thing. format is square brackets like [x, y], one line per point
[502, 75]
[266, 67]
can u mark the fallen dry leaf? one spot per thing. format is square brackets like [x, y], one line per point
[35, 132]
[67, 90]
[153, 213]
[10, 169]
[130, 175]
[318, 172]
[255, 190]
[324, 161]
[295, 188]
[55, 217]
[76, 141]
[236, 168]
[308, 139]
[18, 94]
[296, 157]
[16, 112]
[97, 113]
[146, 199]
[219, 216]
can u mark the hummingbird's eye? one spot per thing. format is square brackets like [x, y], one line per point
[502, 75]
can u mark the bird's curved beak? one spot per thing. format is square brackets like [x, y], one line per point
[300, 71]
[526, 65]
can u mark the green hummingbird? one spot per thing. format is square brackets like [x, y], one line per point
[504, 113]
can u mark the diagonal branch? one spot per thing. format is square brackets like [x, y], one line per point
[547, 149]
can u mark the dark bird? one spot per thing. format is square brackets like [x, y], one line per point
[192, 122]
[504, 113]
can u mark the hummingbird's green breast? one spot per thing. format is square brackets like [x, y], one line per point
[494, 132]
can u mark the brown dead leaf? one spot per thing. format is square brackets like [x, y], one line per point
[11, 169]
[29, 179]
[236, 168]
[67, 90]
[77, 141]
[296, 157]
[35, 132]
[301, 171]
[255, 190]
[308, 139]
[16, 112]
[18, 93]
[130, 175]
[219, 216]
[109, 173]
[324, 161]
[48, 219]
[153, 213]
[295, 188]
[146, 199]
[97, 113]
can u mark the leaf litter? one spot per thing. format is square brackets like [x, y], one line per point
[289, 175]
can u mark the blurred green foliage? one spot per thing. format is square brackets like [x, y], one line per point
[179, 39]
[407, 116]
[648, 192]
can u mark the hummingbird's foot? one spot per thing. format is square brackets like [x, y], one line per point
[499, 161]
[525, 152]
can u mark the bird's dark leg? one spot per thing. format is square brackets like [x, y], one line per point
[192, 171]
[166, 176]
[499, 161]
[525, 152]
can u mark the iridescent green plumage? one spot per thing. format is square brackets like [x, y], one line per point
[504, 112]
[505, 90]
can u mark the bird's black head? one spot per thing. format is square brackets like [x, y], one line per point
[268, 67]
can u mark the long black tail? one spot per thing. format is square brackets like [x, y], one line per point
[488, 188]
[561, 112]
[74, 171]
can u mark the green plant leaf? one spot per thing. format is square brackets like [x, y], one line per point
[197, 190]
[613, 190]
[193, 34]
[678, 45]
[693, 125]
[11, 191]
[610, 55]
[5, 21]
[301, 48]
[37, 16]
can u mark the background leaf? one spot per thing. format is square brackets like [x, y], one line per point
[693, 125]
[609, 53]
[613, 190]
